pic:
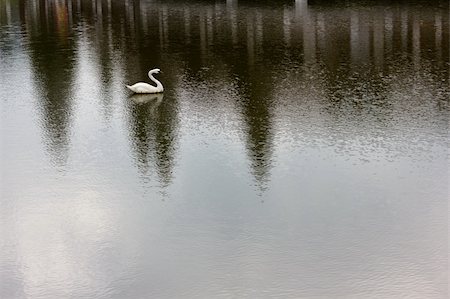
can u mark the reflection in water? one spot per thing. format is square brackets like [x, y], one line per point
[153, 136]
[52, 55]
[146, 98]
[337, 112]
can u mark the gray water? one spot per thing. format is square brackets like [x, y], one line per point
[298, 151]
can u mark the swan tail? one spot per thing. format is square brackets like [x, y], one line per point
[130, 88]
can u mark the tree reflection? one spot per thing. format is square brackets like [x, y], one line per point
[52, 56]
[153, 135]
[257, 104]
[256, 108]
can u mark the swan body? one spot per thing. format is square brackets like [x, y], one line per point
[142, 87]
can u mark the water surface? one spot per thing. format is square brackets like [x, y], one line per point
[298, 151]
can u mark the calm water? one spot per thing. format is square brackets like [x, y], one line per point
[299, 150]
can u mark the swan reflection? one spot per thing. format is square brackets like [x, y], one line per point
[141, 99]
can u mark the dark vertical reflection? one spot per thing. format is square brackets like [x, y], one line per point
[389, 32]
[232, 19]
[378, 38]
[152, 134]
[259, 139]
[256, 104]
[416, 42]
[52, 55]
[438, 36]
[308, 25]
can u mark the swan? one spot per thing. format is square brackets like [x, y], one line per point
[142, 87]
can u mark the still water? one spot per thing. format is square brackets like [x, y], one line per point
[300, 150]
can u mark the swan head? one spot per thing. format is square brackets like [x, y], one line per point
[154, 71]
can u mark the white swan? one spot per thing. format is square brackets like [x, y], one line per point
[142, 87]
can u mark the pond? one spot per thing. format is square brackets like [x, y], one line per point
[299, 150]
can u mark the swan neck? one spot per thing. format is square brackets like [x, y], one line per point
[158, 84]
